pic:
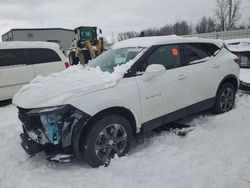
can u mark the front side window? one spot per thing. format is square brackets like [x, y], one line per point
[108, 60]
[11, 57]
[168, 56]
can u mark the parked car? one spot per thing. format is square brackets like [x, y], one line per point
[20, 62]
[240, 47]
[138, 85]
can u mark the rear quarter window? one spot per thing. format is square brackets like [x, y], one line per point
[42, 55]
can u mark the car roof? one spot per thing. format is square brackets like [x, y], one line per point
[238, 45]
[161, 40]
[27, 44]
[233, 41]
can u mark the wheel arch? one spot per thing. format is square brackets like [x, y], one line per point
[231, 79]
[122, 111]
[82, 128]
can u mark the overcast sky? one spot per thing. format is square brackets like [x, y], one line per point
[111, 15]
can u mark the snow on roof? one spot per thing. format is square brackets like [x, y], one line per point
[159, 40]
[231, 41]
[27, 44]
[238, 45]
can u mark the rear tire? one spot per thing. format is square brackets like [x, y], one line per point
[224, 99]
[107, 137]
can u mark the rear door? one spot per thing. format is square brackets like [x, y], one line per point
[45, 61]
[15, 71]
[204, 71]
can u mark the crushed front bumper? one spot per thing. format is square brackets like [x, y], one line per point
[55, 154]
[37, 137]
[30, 146]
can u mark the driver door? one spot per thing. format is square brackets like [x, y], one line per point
[165, 93]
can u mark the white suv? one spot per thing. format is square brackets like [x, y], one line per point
[93, 112]
[20, 62]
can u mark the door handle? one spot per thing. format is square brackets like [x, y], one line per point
[182, 76]
[216, 65]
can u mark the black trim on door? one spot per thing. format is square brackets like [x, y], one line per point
[136, 67]
[173, 116]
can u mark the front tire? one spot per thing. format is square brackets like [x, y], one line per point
[224, 99]
[107, 137]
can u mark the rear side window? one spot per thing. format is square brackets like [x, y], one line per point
[41, 55]
[11, 57]
[168, 56]
[198, 52]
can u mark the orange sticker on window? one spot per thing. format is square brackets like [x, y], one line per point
[175, 52]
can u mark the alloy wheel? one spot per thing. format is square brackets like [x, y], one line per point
[227, 99]
[110, 141]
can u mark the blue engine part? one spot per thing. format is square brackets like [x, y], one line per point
[51, 125]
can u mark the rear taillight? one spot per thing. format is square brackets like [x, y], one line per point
[237, 60]
[66, 64]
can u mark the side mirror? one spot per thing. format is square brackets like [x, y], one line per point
[153, 71]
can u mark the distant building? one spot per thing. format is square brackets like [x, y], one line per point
[61, 36]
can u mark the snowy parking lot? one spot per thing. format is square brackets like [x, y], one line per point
[215, 154]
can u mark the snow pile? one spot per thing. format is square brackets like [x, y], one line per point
[57, 88]
[245, 75]
[215, 154]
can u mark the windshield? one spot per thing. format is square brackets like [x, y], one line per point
[111, 58]
[87, 35]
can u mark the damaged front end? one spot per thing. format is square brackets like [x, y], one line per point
[50, 130]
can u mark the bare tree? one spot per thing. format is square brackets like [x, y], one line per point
[150, 32]
[227, 14]
[127, 35]
[167, 30]
[181, 28]
[205, 25]
[248, 23]
[242, 26]
[211, 25]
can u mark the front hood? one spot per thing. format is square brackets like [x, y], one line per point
[60, 88]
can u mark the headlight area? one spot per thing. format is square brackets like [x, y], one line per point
[50, 129]
[52, 125]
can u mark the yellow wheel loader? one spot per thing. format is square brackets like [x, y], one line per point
[87, 45]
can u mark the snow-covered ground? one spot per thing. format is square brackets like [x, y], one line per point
[245, 75]
[215, 154]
